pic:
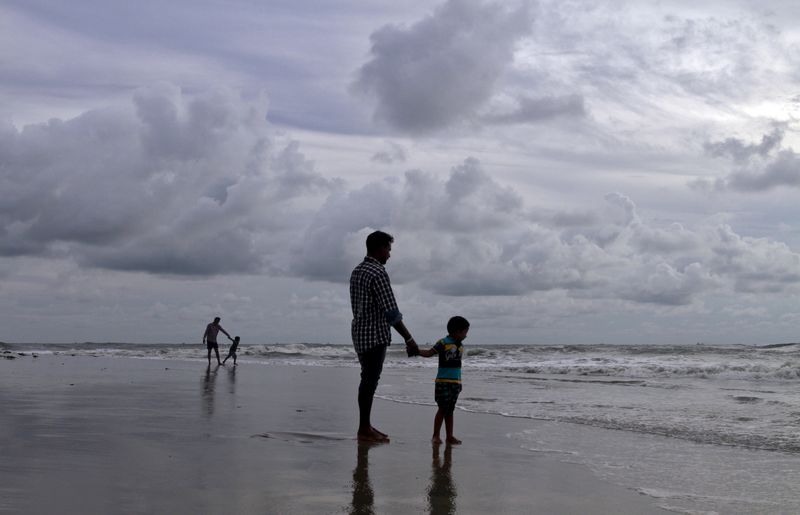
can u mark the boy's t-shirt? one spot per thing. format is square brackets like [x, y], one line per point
[450, 352]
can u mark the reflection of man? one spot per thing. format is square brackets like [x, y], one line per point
[363, 496]
[210, 338]
[442, 490]
[374, 314]
[208, 389]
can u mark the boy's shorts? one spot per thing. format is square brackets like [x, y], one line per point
[446, 395]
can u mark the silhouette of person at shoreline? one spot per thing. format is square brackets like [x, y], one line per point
[448, 378]
[374, 314]
[232, 350]
[210, 338]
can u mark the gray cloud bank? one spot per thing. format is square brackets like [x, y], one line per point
[444, 68]
[167, 184]
[198, 186]
[756, 166]
[394, 154]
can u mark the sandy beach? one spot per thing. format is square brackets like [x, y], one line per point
[99, 435]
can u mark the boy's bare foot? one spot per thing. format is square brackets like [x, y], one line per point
[436, 439]
[372, 436]
[452, 440]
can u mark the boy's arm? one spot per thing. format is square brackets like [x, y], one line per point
[432, 351]
[427, 353]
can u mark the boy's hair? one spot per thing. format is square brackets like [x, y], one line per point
[378, 240]
[236, 338]
[457, 324]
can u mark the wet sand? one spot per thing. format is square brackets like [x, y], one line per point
[84, 435]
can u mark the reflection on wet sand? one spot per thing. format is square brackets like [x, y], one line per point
[442, 489]
[232, 379]
[209, 380]
[363, 502]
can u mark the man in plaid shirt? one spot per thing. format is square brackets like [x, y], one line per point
[374, 314]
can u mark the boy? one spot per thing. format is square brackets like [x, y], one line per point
[448, 378]
[232, 351]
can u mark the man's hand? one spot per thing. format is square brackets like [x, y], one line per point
[411, 348]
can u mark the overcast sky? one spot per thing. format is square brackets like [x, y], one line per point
[556, 172]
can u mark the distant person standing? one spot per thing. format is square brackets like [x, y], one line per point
[374, 314]
[210, 338]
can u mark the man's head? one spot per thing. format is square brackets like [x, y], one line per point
[457, 327]
[216, 320]
[379, 246]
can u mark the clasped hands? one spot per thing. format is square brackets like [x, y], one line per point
[411, 348]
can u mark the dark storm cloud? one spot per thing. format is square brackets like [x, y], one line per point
[531, 110]
[666, 285]
[782, 170]
[468, 235]
[741, 151]
[166, 184]
[198, 185]
[754, 264]
[394, 154]
[296, 175]
[443, 68]
[757, 167]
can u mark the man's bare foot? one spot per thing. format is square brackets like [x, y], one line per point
[372, 436]
[436, 439]
[379, 431]
[452, 440]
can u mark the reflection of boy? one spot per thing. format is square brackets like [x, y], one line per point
[232, 351]
[442, 491]
[448, 378]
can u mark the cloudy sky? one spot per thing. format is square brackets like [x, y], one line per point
[557, 172]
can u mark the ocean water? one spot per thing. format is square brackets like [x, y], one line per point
[699, 428]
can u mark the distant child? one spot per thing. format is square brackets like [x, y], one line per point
[448, 378]
[232, 351]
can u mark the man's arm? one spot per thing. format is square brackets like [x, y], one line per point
[411, 346]
[205, 333]
[385, 295]
[226, 333]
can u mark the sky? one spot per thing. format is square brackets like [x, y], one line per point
[558, 172]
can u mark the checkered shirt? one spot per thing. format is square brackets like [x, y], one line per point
[374, 307]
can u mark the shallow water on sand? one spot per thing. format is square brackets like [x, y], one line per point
[130, 436]
[705, 428]
[670, 442]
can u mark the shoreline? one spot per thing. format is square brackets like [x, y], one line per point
[144, 436]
